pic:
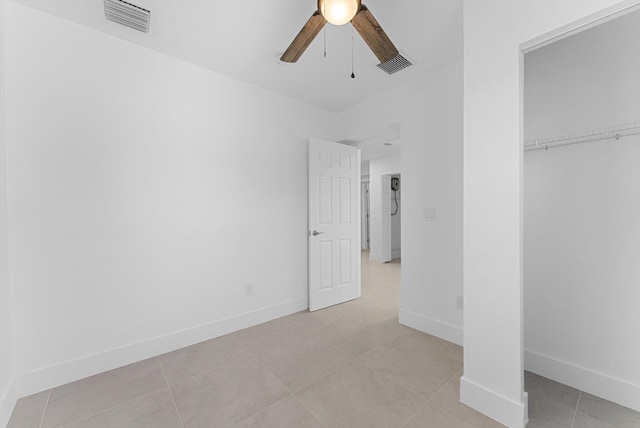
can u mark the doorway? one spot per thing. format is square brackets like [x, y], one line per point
[383, 177]
[581, 234]
[381, 160]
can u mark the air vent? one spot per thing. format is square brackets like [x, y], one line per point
[127, 14]
[395, 64]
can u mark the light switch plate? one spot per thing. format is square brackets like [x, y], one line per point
[429, 214]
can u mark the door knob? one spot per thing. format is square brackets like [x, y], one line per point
[316, 233]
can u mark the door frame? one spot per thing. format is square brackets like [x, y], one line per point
[365, 210]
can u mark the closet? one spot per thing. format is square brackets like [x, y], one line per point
[582, 210]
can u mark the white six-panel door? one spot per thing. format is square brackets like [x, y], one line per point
[334, 223]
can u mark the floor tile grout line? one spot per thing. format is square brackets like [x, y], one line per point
[345, 355]
[173, 399]
[458, 418]
[212, 369]
[443, 385]
[414, 415]
[46, 406]
[417, 394]
[264, 408]
[575, 412]
[341, 366]
[310, 411]
[375, 347]
[347, 362]
[109, 409]
[291, 393]
[288, 341]
[391, 380]
[264, 366]
[205, 370]
[353, 360]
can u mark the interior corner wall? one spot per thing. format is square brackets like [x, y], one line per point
[581, 229]
[7, 386]
[143, 193]
[494, 31]
[378, 168]
[429, 110]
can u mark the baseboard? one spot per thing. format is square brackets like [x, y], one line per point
[69, 371]
[395, 254]
[443, 330]
[508, 412]
[7, 403]
[599, 384]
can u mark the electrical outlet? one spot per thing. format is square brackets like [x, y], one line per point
[459, 302]
[248, 289]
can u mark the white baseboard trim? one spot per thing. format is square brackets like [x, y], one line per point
[69, 371]
[599, 384]
[7, 403]
[395, 254]
[508, 412]
[443, 330]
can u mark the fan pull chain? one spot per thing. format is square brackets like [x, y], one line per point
[353, 75]
[324, 33]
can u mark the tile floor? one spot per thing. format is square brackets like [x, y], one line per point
[351, 365]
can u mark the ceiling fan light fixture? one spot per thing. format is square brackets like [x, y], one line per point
[338, 12]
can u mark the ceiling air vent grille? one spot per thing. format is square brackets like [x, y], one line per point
[127, 14]
[395, 64]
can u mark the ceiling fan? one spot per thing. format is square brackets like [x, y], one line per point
[339, 12]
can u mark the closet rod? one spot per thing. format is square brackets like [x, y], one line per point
[613, 132]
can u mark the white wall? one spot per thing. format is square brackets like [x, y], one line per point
[430, 113]
[582, 236]
[7, 390]
[378, 168]
[144, 192]
[364, 212]
[493, 318]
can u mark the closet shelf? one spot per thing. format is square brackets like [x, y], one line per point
[613, 132]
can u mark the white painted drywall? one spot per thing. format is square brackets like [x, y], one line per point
[582, 213]
[493, 317]
[378, 168]
[430, 113]
[144, 192]
[7, 391]
[364, 212]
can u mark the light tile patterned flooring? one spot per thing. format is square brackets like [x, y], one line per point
[350, 365]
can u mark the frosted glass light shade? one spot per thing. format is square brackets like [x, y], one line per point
[338, 12]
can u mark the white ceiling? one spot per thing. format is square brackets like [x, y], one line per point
[244, 38]
[378, 151]
[385, 143]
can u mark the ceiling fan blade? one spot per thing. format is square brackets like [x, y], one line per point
[304, 38]
[374, 35]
